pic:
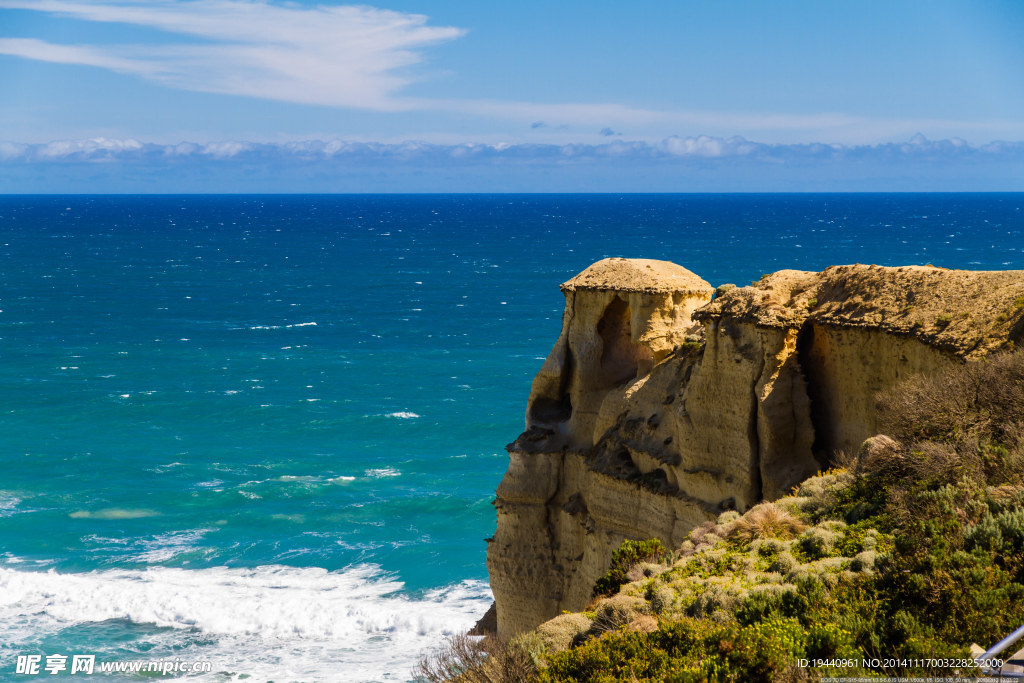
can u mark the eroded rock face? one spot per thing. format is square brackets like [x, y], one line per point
[657, 410]
[621, 316]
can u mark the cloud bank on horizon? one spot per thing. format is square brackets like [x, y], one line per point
[530, 89]
[674, 164]
[702, 147]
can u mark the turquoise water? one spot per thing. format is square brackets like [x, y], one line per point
[265, 431]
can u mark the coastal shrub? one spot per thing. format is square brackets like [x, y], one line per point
[623, 655]
[975, 411]
[722, 289]
[662, 599]
[695, 650]
[561, 632]
[864, 561]
[712, 599]
[1001, 535]
[527, 649]
[783, 563]
[817, 543]
[628, 555]
[727, 517]
[616, 611]
[467, 659]
[704, 535]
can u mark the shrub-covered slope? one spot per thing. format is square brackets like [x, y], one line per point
[910, 550]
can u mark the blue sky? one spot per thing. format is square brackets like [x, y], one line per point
[254, 95]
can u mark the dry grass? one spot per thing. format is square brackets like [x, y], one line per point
[763, 521]
[617, 611]
[466, 659]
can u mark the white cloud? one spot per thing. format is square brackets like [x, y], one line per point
[362, 57]
[31, 48]
[706, 163]
[91, 148]
[700, 149]
[344, 56]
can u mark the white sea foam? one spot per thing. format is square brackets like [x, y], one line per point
[403, 415]
[281, 327]
[8, 503]
[381, 472]
[164, 547]
[269, 622]
[297, 478]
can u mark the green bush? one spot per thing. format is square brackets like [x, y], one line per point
[629, 554]
[692, 650]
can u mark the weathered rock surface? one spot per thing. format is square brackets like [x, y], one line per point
[657, 410]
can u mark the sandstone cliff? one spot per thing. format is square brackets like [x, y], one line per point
[657, 410]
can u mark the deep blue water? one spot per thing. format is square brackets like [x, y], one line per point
[266, 430]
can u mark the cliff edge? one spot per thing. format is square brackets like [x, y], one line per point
[658, 408]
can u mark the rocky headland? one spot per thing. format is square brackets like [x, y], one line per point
[666, 403]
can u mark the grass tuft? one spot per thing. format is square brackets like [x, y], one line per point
[763, 521]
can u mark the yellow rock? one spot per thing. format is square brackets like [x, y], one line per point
[657, 410]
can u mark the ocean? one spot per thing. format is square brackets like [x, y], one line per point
[263, 433]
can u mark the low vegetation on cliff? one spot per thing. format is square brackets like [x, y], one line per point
[911, 548]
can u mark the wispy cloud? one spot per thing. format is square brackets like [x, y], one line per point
[360, 57]
[344, 56]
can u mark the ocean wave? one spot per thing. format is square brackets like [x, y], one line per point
[288, 478]
[281, 327]
[267, 622]
[8, 503]
[403, 415]
[381, 472]
[153, 549]
[166, 547]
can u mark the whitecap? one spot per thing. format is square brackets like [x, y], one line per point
[165, 547]
[281, 327]
[7, 504]
[256, 622]
[160, 469]
[382, 472]
[403, 415]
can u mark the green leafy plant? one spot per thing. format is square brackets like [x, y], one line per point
[629, 554]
